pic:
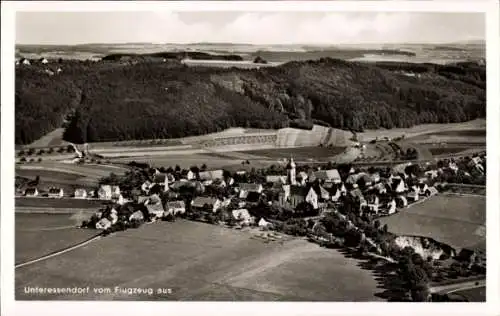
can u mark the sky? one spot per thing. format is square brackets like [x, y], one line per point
[253, 28]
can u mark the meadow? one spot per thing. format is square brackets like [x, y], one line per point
[459, 221]
[201, 262]
[38, 235]
[64, 203]
[297, 152]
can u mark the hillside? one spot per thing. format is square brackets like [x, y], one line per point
[112, 100]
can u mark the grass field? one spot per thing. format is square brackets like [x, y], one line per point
[473, 295]
[37, 235]
[458, 221]
[201, 262]
[437, 151]
[297, 153]
[57, 203]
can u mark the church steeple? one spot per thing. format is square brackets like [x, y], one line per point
[292, 177]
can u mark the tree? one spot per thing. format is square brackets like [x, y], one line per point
[376, 224]
[203, 167]
[177, 168]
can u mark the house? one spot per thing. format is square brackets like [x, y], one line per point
[402, 201]
[25, 61]
[373, 203]
[422, 188]
[142, 199]
[242, 216]
[106, 192]
[357, 194]
[335, 193]
[313, 198]
[113, 217]
[56, 193]
[453, 166]
[431, 174]
[103, 223]
[263, 223]
[302, 177]
[398, 185]
[31, 192]
[413, 195]
[246, 188]
[375, 178]
[431, 191]
[161, 179]
[136, 216]
[284, 194]
[202, 203]
[117, 198]
[327, 176]
[146, 186]
[276, 179]
[175, 207]
[155, 209]
[211, 175]
[391, 207]
[44, 61]
[80, 194]
[188, 174]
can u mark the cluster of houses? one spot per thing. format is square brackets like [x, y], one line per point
[316, 188]
[375, 193]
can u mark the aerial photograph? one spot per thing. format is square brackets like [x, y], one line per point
[250, 156]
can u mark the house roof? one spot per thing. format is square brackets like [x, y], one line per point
[55, 190]
[155, 208]
[250, 187]
[243, 213]
[211, 175]
[80, 191]
[201, 201]
[159, 178]
[175, 204]
[276, 179]
[357, 193]
[30, 190]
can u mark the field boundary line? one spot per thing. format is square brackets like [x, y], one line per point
[57, 253]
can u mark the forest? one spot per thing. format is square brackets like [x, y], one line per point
[111, 101]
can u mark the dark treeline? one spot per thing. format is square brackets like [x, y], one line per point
[113, 101]
[174, 55]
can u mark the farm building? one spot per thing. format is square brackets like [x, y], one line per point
[80, 194]
[118, 198]
[106, 192]
[136, 216]
[31, 192]
[156, 209]
[242, 216]
[263, 223]
[146, 186]
[103, 223]
[292, 195]
[431, 191]
[44, 61]
[161, 180]
[210, 176]
[413, 195]
[25, 61]
[246, 188]
[175, 207]
[312, 198]
[431, 174]
[206, 204]
[326, 176]
[56, 193]
[276, 179]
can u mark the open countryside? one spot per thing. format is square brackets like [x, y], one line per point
[233, 172]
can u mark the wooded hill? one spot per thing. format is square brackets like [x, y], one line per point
[111, 100]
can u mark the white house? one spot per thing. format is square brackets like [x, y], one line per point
[156, 209]
[431, 174]
[245, 188]
[276, 179]
[175, 207]
[263, 223]
[431, 191]
[106, 192]
[80, 194]
[25, 61]
[391, 207]
[137, 216]
[242, 216]
[103, 223]
[146, 186]
[312, 198]
[206, 203]
[373, 204]
[161, 179]
[31, 192]
[413, 195]
[56, 193]
[117, 198]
